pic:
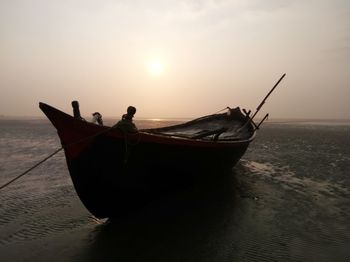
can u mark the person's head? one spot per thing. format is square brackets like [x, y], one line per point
[131, 111]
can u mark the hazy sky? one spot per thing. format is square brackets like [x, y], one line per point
[206, 55]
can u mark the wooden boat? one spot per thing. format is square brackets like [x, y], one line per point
[113, 171]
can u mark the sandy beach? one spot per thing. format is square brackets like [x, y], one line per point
[276, 205]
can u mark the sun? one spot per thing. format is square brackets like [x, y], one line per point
[155, 67]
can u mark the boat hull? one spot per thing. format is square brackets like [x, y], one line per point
[114, 173]
[111, 179]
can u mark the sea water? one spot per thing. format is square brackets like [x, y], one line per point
[288, 199]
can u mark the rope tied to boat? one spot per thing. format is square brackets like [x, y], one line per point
[30, 169]
[53, 154]
[127, 142]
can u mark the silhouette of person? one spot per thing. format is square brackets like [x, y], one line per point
[126, 124]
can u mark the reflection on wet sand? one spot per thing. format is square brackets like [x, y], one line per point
[183, 227]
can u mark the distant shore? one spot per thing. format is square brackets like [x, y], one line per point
[182, 119]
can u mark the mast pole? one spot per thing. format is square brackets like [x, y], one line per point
[263, 101]
[250, 119]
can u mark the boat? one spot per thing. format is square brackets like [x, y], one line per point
[115, 172]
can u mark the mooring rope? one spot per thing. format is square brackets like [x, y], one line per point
[127, 144]
[51, 155]
[30, 169]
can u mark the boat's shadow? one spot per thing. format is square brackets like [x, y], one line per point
[185, 226]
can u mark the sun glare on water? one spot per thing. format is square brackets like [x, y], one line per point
[155, 67]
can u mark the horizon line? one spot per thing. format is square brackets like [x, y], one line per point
[299, 119]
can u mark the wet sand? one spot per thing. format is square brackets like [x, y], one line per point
[233, 219]
[260, 212]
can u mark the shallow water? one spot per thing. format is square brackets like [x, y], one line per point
[288, 199]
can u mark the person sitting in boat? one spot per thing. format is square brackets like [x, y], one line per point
[126, 124]
[97, 118]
